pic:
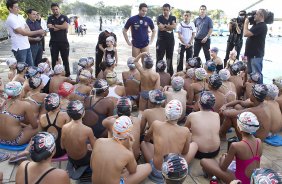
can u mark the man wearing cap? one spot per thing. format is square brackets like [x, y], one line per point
[165, 42]
[255, 42]
[19, 32]
[204, 27]
[58, 26]
[139, 25]
[100, 47]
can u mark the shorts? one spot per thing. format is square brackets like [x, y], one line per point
[144, 95]
[200, 155]
[156, 175]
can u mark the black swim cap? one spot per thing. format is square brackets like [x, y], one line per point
[156, 97]
[124, 107]
[83, 62]
[148, 62]
[235, 68]
[260, 91]
[207, 100]
[52, 101]
[75, 109]
[161, 65]
[21, 66]
[100, 86]
[211, 66]
[42, 146]
[215, 81]
[34, 82]
[174, 167]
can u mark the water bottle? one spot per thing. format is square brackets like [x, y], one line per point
[214, 180]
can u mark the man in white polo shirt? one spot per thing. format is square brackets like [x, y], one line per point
[19, 32]
[186, 33]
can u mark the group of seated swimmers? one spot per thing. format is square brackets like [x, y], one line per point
[90, 120]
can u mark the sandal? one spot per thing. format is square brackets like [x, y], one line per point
[4, 157]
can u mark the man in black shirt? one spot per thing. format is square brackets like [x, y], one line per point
[58, 25]
[100, 47]
[165, 42]
[255, 43]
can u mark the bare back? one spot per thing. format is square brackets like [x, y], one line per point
[276, 116]
[151, 115]
[149, 80]
[55, 83]
[165, 79]
[238, 82]
[131, 82]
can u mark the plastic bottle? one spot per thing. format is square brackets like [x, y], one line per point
[214, 180]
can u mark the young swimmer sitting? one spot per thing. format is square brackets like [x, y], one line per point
[168, 138]
[65, 89]
[157, 98]
[195, 62]
[112, 156]
[247, 153]
[252, 80]
[189, 79]
[21, 71]
[278, 83]
[215, 83]
[164, 76]
[236, 78]
[210, 67]
[75, 138]
[115, 91]
[40, 170]
[228, 88]
[205, 125]
[12, 64]
[232, 59]
[82, 89]
[174, 169]
[217, 60]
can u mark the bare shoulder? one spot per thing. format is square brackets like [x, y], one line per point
[135, 120]
[58, 176]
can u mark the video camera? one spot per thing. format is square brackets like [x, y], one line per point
[251, 15]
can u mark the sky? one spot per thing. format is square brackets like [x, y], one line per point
[230, 7]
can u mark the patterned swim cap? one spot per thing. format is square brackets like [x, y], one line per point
[90, 61]
[13, 88]
[235, 68]
[100, 86]
[44, 67]
[248, 122]
[130, 63]
[173, 110]
[11, 61]
[34, 82]
[110, 39]
[215, 81]
[224, 74]
[195, 62]
[278, 82]
[21, 66]
[52, 101]
[75, 109]
[32, 71]
[65, 89]
[122, 127]
[200, 73]
[124, 107]
[272, 91]
[207, 100]
[255, 77]
[211, 66]
[265, 176]
[83, 62]
[177, 83]
[156, 97]
[148, 61]
[259, 91]
[161, 65]
[58, 69]
[190, 73]
[42, 146]
[174, 167]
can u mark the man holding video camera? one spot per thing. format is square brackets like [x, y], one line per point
[255, 42]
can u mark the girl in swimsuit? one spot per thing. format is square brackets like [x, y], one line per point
[21, 71]
[65, 89]
[82, 89]
[110, 52]
[227, 88]
[242, 157]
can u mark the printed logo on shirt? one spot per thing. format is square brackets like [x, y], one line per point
[146, 23]
[62, 19]
[141, 21]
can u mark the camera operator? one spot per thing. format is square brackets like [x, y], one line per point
[235, 39]
[255, 42]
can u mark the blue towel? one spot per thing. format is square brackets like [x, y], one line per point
[13, 147]
[274, 140]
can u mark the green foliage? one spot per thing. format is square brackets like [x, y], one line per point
[4, 12]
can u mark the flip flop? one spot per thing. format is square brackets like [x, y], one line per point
[17, 158]
[4, 157]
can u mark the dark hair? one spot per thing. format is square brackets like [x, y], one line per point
[29, 11]
[43, 60]
[264, 13]
[188, 12]
[55, 4]
[143, 5]
[166, 5]
[10, 3]
[203, 6]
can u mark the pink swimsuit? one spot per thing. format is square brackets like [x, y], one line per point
[241, 165]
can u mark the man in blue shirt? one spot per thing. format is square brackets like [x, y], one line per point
[139, 29]
[204, 27]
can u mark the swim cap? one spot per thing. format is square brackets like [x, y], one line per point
[265, 176]
[173, 110]
[174, 167]
[278, 82]
[148, 62]
[130, 63]
[207, 100]
[32, 71]
[111, 78]
[21, 66]
[191, 73]
[195, 62]
[200, 74]
[242, 65]
[214, 49]
[259, 91]
[122, 127]
[52, 101]
[124, 106]
[90, 61]
[177, 83]
[82, 62]
[110, 39]
[255, 77]
[224, 74]
[84, 75]
[34, 82]
[211, 66]
[58, 69]
[215, 81]
[110, 62]
[156, 97]
[11, 61]
[75, 109]
[42, 146]
[248, 122]
[235, 68]
[65, 89]
[43, 67]
[13, 88]
[272, 91]
[100, 86]
[161, 65]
